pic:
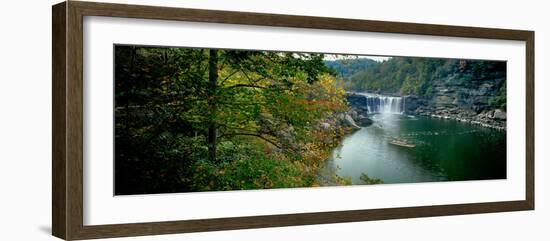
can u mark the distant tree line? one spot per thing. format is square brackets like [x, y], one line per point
[412, 75]
[347, 66]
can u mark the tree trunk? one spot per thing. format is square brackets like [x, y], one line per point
[213, 82]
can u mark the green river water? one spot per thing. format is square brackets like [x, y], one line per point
[444, 150]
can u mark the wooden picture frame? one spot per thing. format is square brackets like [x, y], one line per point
[67, 152]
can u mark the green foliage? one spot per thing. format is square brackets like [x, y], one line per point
[263, 109]
[499, 101]
[197, 119]
[411, 75]
[370, 181]
[349, 66]
[253, 170]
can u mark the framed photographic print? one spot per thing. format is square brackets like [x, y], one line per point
[170, 120]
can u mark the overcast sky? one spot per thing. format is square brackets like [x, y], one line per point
[334, 57]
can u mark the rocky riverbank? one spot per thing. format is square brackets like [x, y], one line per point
[454, 99]
[490, 118]
[460, 104]
[472, 91]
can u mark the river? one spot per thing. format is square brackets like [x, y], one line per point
[444, 150]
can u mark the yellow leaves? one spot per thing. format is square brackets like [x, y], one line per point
[164, 79]
[263, 109]
[324, 95]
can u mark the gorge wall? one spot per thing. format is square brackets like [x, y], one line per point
[454, 97]
[457, 98]
[472, 91]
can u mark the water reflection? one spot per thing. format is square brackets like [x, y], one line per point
[443, 150]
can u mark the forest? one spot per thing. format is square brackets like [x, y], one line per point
[347, 66]
[417, 76]
[192, 119]
[197, 119]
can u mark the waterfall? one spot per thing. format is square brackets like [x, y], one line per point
[383, 104]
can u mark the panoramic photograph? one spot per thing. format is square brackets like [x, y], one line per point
[202, 119]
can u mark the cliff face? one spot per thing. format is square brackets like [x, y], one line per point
[464, 99]
[471, 91]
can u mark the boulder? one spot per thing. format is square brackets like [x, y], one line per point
[351, 122]
[353, 113]
[443, 100]
[364, 121]
[325, 125]
[499, 114]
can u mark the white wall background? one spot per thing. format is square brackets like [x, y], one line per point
[25, 120]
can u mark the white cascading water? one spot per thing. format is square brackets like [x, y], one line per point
[383, 104]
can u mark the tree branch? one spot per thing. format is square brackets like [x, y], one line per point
[251, 81]
[229, 76]
[245, 85]
[254, 135]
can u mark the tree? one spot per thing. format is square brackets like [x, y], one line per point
[182, 112]
[408, 75]
[212, 103]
